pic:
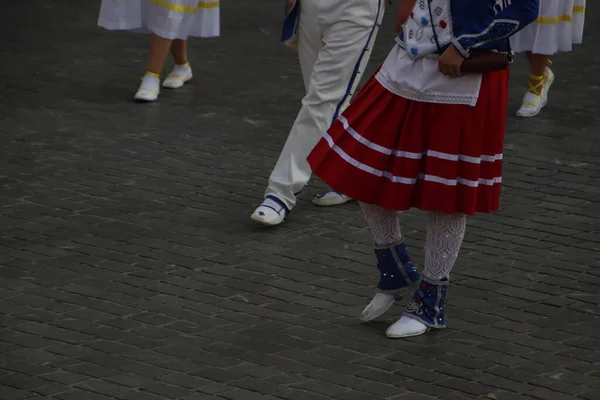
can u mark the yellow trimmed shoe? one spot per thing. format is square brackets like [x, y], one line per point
[536, 97]
[149, 88]
[180, 75]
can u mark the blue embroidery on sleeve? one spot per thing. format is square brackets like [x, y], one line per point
[499, 29]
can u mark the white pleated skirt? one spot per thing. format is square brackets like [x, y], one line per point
[170, 19]
[558, 27]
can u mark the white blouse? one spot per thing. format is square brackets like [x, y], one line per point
[413, 73]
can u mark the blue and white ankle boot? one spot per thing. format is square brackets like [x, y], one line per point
[397, 273]
[425, 312]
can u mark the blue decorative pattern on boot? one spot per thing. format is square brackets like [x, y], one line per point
[427, 304]
[396, 269]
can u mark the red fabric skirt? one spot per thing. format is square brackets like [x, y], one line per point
[399, 153]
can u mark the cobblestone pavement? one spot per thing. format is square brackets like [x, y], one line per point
[129, 268]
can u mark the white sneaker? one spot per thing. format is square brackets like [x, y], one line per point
[406, 327]
[271, 212]
[531, 106]
[380, 303]
[149, 88]
[331, 198]
[547, 85]
[178, 76]
[532, 103]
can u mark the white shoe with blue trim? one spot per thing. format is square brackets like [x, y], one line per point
[271, 212]
[331, 198]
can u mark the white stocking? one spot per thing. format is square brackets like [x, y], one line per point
[445, 234]
[384, 224]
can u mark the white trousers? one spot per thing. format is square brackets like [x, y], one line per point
[335, 38]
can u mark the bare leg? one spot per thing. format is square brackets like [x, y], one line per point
[159, 50]
[179, 51]
[150, 86]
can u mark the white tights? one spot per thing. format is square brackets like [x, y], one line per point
[445, 233]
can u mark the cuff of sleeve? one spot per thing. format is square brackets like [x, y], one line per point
[463, 52]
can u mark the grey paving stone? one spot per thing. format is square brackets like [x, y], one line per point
[129, 268]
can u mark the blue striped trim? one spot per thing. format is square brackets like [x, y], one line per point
[321, 195]
[281, 203]
[357, 65]
[290, 23]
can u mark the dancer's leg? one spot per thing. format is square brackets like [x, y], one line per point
[150, 86]
[445, 234]
[179, 51]
[384, 224]
[396, 269]
[541, 78]
[182, 71]
[159, 50]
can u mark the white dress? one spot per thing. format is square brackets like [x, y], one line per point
[558, 27]
[170, 19]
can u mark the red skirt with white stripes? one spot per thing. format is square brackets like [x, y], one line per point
[399, 153]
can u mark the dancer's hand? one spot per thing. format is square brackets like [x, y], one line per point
[403, 12]
[450, 62]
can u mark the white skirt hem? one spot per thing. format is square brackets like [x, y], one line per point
[559, 26]
[164, 18]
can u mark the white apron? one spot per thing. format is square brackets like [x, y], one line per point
[411, 70]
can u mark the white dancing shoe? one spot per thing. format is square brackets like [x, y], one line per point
[406, 327]
[149, 88]
[532, 102]
[548, 83]
[425, 311]
[331, 198]
[180, 75]
[271, 212]
[397, 275]
[378, 306]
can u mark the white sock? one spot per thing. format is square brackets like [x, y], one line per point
[181, 70]
[150, 82]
